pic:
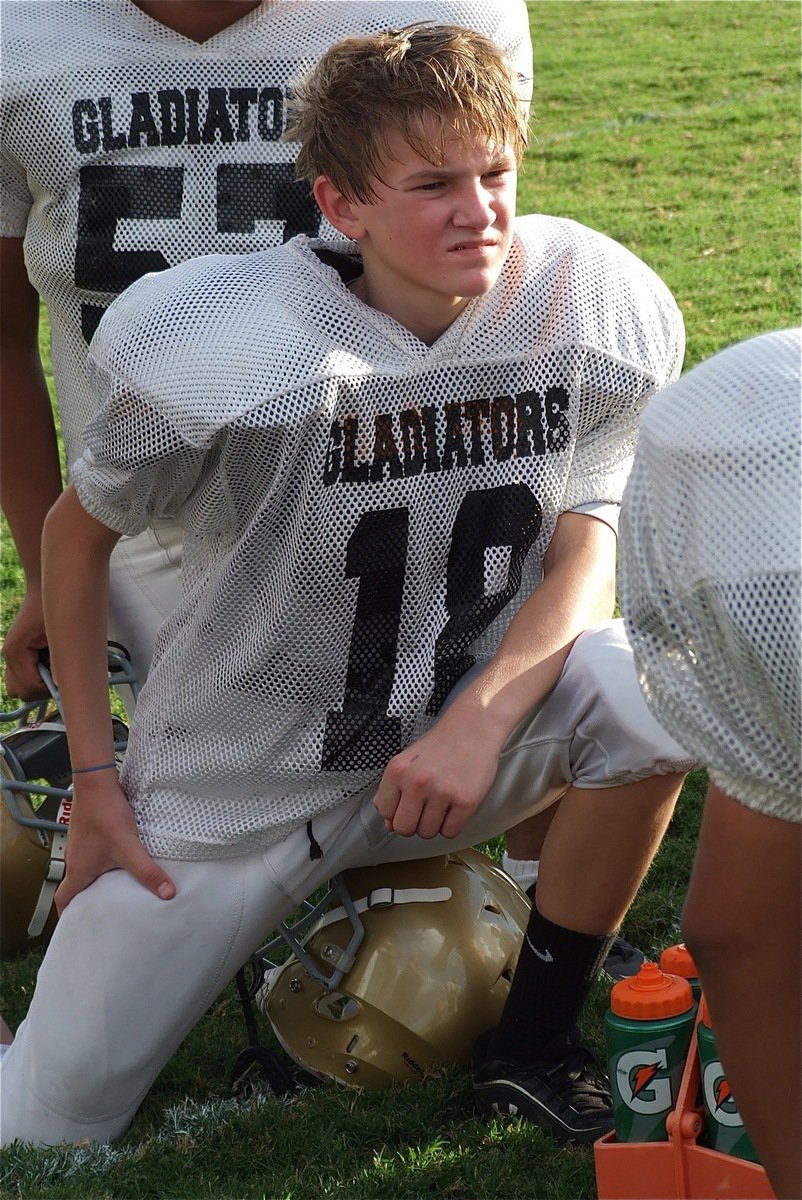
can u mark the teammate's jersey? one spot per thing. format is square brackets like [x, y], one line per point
[363, 512]
[127, 148]
[710, 568]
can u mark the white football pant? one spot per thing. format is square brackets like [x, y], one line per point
[126, 975]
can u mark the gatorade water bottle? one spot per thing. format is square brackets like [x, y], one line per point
[677, 960]
[648, 1028]
[724, 1129]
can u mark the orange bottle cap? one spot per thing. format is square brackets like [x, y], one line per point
[677, 960]
[704, 1012]
[651, 993]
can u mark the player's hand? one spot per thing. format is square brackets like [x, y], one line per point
[437, 784]
[24, 640]
[103, 837]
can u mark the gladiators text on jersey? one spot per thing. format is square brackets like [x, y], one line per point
[469, 432]
[172, 117]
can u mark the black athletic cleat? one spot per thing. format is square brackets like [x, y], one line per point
[565, 1093]
[622, 961]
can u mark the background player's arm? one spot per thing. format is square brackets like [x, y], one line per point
[103, 836]
[29, 467]
[437, 783]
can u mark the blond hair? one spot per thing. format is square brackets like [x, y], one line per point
[364, 89]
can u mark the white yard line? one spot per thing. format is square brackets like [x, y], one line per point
[191, 1120]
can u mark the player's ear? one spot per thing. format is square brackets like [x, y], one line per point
[339, 211]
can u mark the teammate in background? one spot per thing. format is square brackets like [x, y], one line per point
[710, 586]
[397, 455]
[137, 134]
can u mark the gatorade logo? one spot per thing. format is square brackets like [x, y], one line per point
[718, 1097]
[640, 1084]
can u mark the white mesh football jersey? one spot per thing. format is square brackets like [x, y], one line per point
[127, 148]
[363, 512]
[710, 567]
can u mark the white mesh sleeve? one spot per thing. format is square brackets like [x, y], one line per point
[135, 467]
[15, 198]
[710, 567]
[645, 332]
[136, 464]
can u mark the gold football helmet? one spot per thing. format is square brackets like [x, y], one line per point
[404, 974]
[35, 803]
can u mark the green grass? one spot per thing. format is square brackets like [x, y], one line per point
[673, 127]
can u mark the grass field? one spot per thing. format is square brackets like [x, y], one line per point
[673, 127]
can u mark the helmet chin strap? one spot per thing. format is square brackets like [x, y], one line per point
[56, 869]
[57, 828]
[341, 961]
[381, 897]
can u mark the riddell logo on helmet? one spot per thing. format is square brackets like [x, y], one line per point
[64, 812]
[413, 1066]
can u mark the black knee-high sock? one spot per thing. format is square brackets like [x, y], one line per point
[556, 969]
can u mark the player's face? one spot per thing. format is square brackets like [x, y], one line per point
[436, 236]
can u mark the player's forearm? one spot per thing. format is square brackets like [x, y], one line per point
[75, 558]
[29, 465]
[437, 783]
[30, 483]
[30, 474]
